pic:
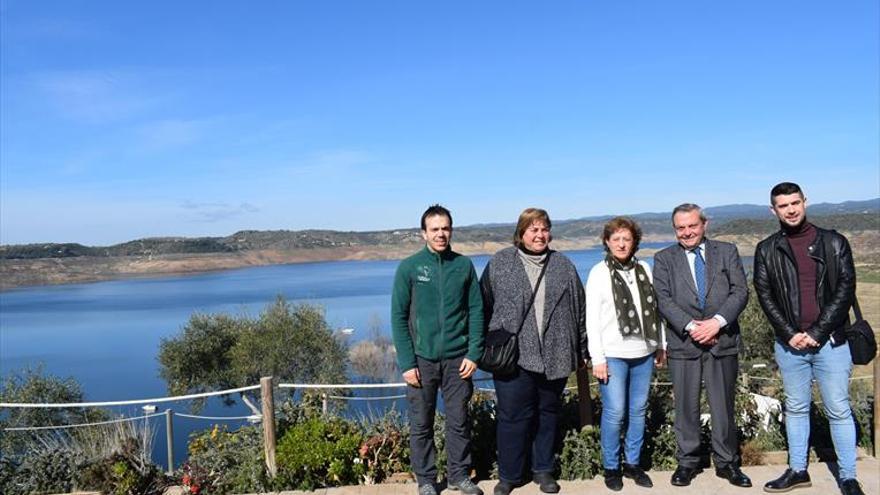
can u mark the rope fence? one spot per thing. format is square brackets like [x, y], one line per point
[266, 415]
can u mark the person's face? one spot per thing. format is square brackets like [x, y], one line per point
[620, 245]
[437, 233]
[536, 238]
[790, 209]
[689, 229]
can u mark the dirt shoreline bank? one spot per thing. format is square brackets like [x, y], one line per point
[57, 271]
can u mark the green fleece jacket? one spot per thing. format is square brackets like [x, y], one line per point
[436, 308]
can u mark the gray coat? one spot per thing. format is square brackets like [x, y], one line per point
[507, 292]
[726, 294]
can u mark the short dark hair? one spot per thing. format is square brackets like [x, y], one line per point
[436, 210]
[687, 208]
[785, 188]
[618, 223]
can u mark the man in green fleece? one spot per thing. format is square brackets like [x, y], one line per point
[437, 325]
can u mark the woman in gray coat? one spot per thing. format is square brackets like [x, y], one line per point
[552, 343]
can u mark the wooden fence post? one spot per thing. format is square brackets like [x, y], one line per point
[268, 406]
[585, 400]
[169, 438]
[324, 404]
[877, 407]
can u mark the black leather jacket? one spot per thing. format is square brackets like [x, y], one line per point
[776, 284]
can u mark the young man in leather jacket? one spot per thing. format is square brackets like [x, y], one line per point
[805, 281]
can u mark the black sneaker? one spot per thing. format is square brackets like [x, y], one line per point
[614, 479]
[789, 481]
[427, 489]
[546, 481]
[851, 487]
[638, 475]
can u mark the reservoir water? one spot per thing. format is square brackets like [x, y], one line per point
[106, 335]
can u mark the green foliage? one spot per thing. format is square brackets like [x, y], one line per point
[757, 334]
[35, 385]
[385, 449]
[291, 343]
[221, 461]
[581, 454]
[320, 452]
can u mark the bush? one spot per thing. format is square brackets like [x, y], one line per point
[581, 454]
[226, 462]
[385, 449]
[320, 452]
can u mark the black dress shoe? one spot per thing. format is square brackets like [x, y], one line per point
[614, 479]
[684, 475]
[503, 488]
[851, 487]
[788, 481]
[638, 475]
[734, 475]
[546, 482]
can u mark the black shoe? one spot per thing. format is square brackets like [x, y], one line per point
[684, 475]
[465, 486]
[851, 487]
[614, 479]
[503, 488]
[734, 475]
[546, 482]
[788, 481]
[637, 474]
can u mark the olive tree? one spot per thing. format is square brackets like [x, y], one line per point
[293, 343]
[36, 385]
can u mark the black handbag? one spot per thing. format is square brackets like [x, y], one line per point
[501, 348]
[862, 343]
[860, 336]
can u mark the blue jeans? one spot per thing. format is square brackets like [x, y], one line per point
[624, 396]
[831, 368]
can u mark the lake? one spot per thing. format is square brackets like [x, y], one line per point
[106, 335]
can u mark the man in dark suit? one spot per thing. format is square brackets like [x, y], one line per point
[701, 290]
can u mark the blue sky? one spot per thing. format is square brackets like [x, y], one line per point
[121, 120]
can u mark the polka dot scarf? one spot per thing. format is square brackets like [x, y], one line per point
[628, 321]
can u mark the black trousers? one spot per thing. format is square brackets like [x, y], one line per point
[443, 376]
[719, 375]
[527, 410]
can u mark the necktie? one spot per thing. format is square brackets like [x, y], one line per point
[700, 276]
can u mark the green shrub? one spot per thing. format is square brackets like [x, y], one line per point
[581, 454]
[320, 452]
[385, 449]
[221, 461]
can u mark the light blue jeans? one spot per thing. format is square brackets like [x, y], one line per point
[624, 396]
[831, 368]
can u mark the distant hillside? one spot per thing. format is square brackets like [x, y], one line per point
[726, 220]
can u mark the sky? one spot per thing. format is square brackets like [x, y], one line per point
[124, 120]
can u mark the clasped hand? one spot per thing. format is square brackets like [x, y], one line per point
[705, 332]
[802, 341]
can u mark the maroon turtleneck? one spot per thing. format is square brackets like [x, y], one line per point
[800, 240]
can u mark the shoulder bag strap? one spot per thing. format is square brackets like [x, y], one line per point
[831, 267]
[534, 293]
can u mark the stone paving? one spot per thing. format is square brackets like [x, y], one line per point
[706, 483]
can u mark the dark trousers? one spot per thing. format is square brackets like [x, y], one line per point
[442, 375]
[719, 375]
[527, 409]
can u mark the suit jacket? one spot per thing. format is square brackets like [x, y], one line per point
[726, 294]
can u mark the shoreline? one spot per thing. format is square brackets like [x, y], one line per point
[20, 274]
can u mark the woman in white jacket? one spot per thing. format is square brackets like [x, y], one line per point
[625, 338]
